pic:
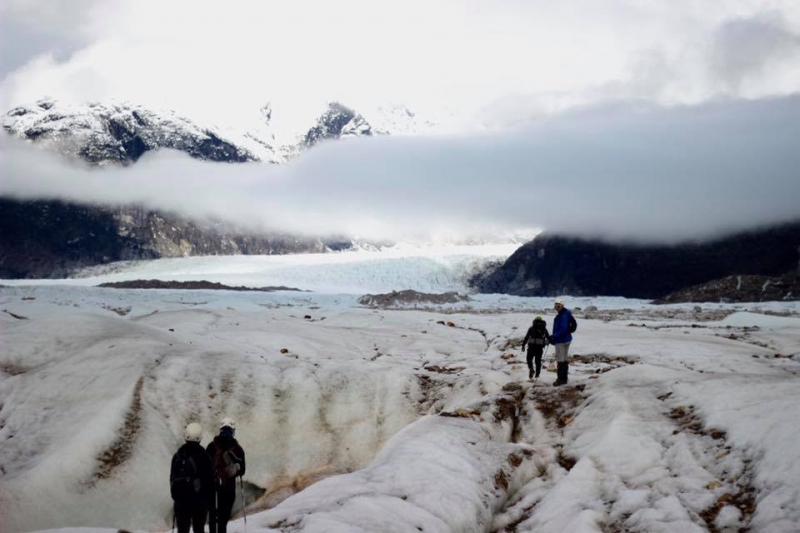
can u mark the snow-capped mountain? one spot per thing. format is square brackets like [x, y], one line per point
[50, 238]
[338, 121]
[117, 133]
[109, 133]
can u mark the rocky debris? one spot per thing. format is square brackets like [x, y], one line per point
[552, 265]
[122, 449]
[444, 369]
[734, 289]
[409, 297]
[14, 315]
[187, 285]
[121, 311]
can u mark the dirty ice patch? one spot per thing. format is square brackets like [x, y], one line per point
[436, 475]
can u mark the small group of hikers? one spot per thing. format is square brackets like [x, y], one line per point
[203, 481]
[564, 324]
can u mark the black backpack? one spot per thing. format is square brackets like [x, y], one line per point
[185, 485]
[573, 324]
[225, 465]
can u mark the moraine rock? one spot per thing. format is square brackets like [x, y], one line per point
[734, 289]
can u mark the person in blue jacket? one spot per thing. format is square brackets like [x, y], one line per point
[562, 337]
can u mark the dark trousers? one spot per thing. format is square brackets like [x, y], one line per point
[224, 506]
[535, 353]
[190, 516]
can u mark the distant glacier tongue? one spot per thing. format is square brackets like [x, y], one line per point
[421, 268]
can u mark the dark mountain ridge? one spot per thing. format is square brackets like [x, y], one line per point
[553, 264]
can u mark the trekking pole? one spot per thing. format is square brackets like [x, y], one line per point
[241, 495]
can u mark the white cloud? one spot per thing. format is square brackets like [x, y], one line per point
[625, 171]
[223, 60]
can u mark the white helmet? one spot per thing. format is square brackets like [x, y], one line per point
[193, 432]
[227, 422]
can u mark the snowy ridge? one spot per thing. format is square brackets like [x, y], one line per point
[120, 132]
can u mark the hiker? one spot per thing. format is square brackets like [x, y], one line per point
[536, 339]
[227, 458]
[191, 482]
[563, 326]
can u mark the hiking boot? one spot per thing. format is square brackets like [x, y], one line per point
[557, 383]
[536, 375]
[563, 372]
[530, 375]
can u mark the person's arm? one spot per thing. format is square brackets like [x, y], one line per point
[525, 340]
[558, 327]
[241, 462]
[172, 468]
[208, 476]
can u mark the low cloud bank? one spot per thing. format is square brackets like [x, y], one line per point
[627, 171]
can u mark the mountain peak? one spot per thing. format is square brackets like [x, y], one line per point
[121, 132]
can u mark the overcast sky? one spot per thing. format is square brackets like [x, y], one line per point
[629, 117]
[494, 59]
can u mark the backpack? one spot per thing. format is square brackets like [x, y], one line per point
[539, 333]
[573, 324]
[225, 465]
[185, 485]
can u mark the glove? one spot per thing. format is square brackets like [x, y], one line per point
[233, 469]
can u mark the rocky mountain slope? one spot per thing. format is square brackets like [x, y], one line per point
[553, 264]
[50, 238]
[733, 289]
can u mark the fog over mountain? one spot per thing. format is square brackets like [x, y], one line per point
[630, 170]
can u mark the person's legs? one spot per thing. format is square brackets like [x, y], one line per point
[183, 518]
[226, 498]
[537, 355]
[530, 361]
[562, 358]
[199, 519]
[212, 513]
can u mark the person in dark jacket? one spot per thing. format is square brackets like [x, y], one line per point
[536, 339]
[227, 458]
[561, 341]
[191, 482]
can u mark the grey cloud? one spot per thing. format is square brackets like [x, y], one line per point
[624, 171]
[35, 27]
[746, 47]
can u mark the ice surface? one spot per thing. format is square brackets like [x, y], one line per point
[427, 269]
[675, 419]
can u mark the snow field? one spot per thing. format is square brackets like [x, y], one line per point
[662, 421]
